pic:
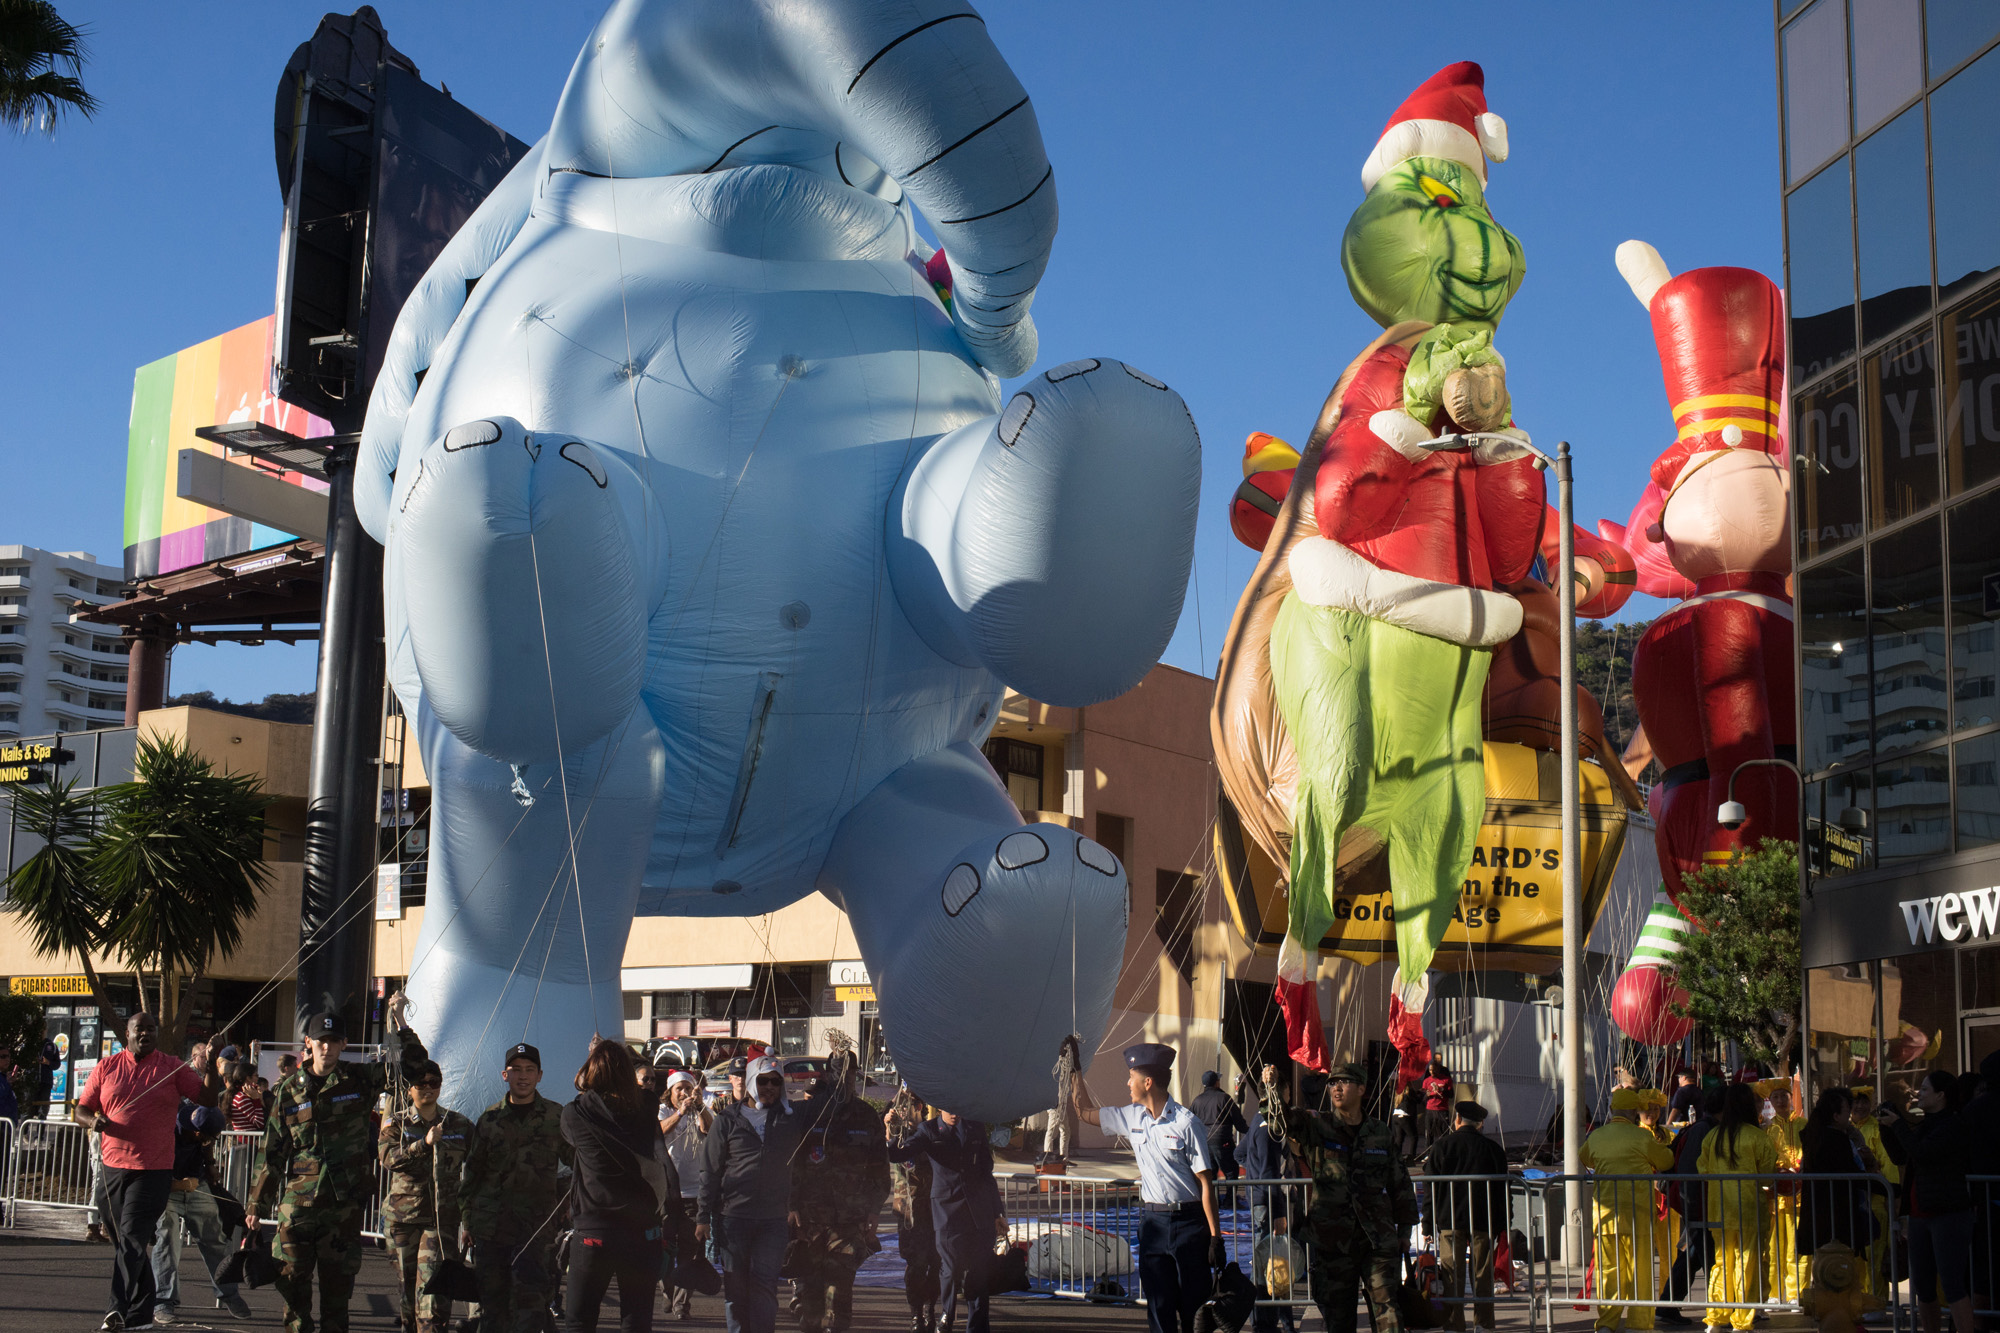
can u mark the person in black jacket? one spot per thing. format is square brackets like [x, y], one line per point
[1222, 1119]
[965, 1211]
[1466, 1213]
[1271, 1213]
[746, 1195]
[623, 1180]
[1690, 1200]
[1940, 1204]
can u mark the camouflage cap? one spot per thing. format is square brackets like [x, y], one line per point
[1353, 1071]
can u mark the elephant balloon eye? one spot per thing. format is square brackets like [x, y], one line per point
[1437, 191]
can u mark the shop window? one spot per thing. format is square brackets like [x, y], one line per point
[1954, 29]
[1979, 978]
[1840, 837]
[1115, 833]
[1974, 534]
[1906, 628]
[1019, 764]
[1815, 55]
[1840, 1007]
[1969, 347]
[1913, 807]
[1919, 1021]
[1888, 59]
[1892, 228]
[635, 1006]
[1832, 621]
[1976, 790]
[1826, 429]
[1965, 177]
[1900, 408]
[1820, 243]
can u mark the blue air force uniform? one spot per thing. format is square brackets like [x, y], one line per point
[1173, 1230]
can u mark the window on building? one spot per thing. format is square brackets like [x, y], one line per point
[1826, 426]
[1819, 229]
[1913, 807]
[1888, 59]
[1019, 764]
[10, 715]
[1841, 1006]
[11, 599]
[1919, 1021]
[106, 588]
[1833, 630]
[1970, 343]
[1976, 790]
[1974, 534]
[1892, 227]
[1906, 628]
[1114, 832]
[1965, 158]
[10, 657]
[1815, 57]
[1899, 410]
[1954, 29]
[1176, 916]
[634, 1006]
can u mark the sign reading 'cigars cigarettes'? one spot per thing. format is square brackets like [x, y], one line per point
[1973, 914]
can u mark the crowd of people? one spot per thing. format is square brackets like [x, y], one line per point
[533, 1207]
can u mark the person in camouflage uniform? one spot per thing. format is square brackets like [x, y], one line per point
[1363, 1203]
[508, 1195]
[839, 1181]
[423, 1147]
[315, 1169]
[910, 1198]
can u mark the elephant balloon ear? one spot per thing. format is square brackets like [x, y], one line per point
[1643, 269]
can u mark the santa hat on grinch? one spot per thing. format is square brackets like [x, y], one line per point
[1445, 117]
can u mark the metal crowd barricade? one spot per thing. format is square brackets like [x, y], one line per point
[1739, 1245]
[1985, 1244]
[52, 1167]
[1493, 1236]
[9, 1137]
[1264, 1234]
[1081, 1233]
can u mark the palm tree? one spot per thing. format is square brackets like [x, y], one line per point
[179, 853]
[56, 891]
[36, 46]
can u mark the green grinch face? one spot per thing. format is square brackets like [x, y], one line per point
[1423, 246]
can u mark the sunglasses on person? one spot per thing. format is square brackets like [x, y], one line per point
[432, 1083]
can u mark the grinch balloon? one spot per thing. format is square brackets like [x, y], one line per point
[711, 549]
[1348, 714]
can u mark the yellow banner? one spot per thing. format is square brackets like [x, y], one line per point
[864, 994]
[1509, 912]
[49, 986]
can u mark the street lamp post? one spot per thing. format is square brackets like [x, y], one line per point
[1572, 825]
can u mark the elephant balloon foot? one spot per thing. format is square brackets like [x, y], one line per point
[965, 913]
[1089, 457]
[516, 570]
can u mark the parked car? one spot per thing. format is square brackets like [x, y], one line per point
[801, 1071]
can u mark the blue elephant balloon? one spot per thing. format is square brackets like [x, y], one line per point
[710, 547]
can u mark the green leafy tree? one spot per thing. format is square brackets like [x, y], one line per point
[1604, 667]
[179, 856]
[56, 891]
[1740, 965]
[41, 67]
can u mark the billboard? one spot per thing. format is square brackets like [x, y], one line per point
[213, 383]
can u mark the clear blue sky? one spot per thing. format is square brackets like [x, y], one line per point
[1208, 157]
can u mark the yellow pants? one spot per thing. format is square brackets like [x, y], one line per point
[1666, 1242]
[1626, 1264]
[1784, 1265]
[1738, 1274]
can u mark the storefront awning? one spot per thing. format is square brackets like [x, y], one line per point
[714, 976]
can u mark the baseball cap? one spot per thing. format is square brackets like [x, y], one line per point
[521, 1050]
[1353, 1071]
[738, 1066]
[327, 1026]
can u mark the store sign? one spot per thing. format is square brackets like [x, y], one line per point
[49, 986]
[18, 762]
[1841, 849]
[848, 973]
[389, 892]
[1970, 915]
[858, 994]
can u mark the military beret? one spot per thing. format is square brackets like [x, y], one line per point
[520, 1050]
[1149, 1057]
[1470, 1112]
[739, 1067]
[327, 1026]
[1352, 1070]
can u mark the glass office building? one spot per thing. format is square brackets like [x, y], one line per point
[1891, 178]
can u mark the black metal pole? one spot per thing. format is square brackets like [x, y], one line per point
[342, 820]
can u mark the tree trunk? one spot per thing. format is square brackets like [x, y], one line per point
[183, 1008]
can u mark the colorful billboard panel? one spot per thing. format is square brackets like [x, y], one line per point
[213, 383]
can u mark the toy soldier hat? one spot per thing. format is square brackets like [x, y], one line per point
[1149, 1057]
[1471, 1112]
[327, 1026]
[520, 1050]
[1352, 1070]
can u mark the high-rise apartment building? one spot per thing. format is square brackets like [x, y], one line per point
[1891, 180]
[58, 673]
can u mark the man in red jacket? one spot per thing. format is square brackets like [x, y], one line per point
[132, 1099]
